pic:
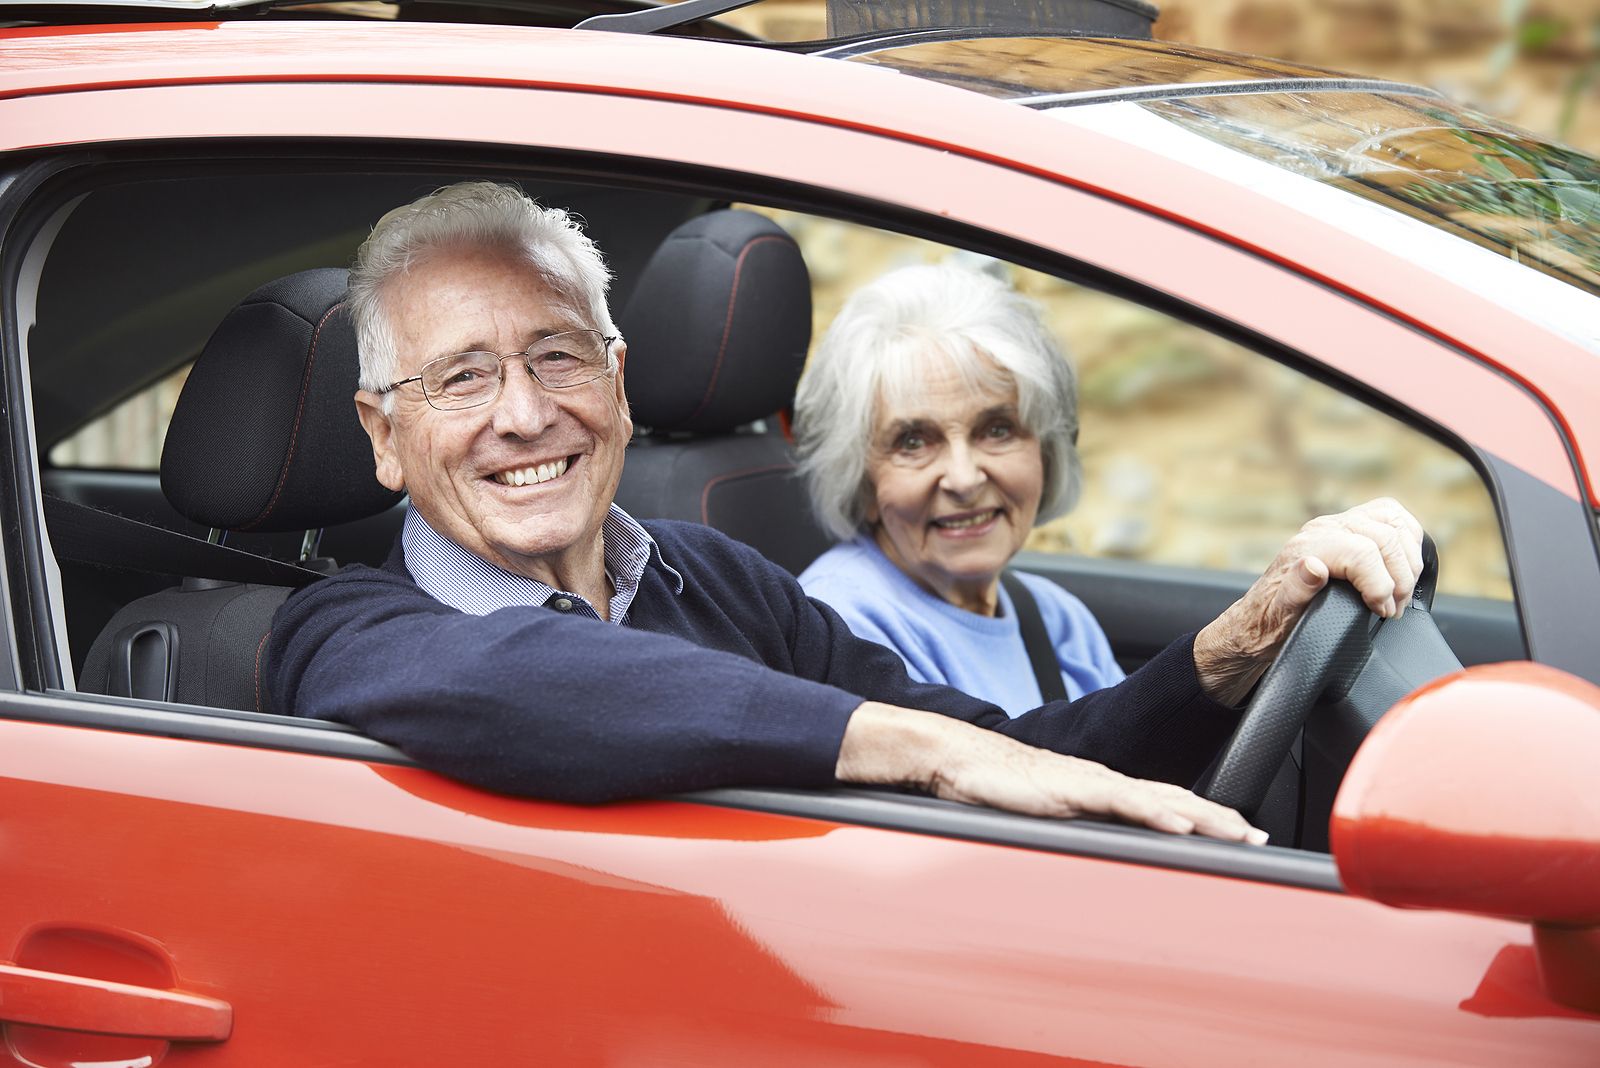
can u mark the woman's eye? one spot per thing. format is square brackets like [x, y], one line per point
[910, 442]
[1000, 431]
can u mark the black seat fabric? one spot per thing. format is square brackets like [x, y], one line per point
[717, 328]
[264, 438]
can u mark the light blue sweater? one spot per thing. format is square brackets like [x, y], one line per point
[982, 655]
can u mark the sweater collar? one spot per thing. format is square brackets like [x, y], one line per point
[464, 580]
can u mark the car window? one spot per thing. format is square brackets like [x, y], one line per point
[1197, 451]
[129, 436]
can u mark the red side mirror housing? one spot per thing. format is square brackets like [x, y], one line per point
[1480, 792]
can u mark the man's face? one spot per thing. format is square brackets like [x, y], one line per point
[461, 467]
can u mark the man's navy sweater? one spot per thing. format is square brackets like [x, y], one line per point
[739, 680]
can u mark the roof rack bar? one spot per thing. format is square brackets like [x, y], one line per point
[1114, 18]
[665, 17]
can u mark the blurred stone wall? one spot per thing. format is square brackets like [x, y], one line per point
[1534, 62]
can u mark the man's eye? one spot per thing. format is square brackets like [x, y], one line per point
[556, 356]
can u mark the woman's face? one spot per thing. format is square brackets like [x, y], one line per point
[954, 486]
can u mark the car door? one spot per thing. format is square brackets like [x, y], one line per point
[186, 885]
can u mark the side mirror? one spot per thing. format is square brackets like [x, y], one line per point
[1480, 792]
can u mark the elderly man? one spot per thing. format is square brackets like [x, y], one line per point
[527, 635]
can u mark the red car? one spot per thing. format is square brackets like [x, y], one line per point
[184, 884]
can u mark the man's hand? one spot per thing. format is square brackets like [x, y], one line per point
[1376, 547]
[887, 745]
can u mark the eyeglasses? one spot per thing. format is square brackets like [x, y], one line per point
[469, 379]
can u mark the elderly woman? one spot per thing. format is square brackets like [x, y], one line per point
[936, 426]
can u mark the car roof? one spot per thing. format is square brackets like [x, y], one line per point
[871, 92]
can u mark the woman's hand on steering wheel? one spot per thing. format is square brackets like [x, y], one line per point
[1376, 547]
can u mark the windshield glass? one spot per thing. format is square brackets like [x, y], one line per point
[1532, 201]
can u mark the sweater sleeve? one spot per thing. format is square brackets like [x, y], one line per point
[539, 703]
[533, 702]
[1155, 724]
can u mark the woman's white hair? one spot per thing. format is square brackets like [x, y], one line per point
[877, 351]
[475, 215]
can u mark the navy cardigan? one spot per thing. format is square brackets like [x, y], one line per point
[739, 680]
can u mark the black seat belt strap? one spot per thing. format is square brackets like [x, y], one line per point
[1041, 654]
[87, 535]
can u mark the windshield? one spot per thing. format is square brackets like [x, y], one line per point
[1532, 201]
[1409, 150]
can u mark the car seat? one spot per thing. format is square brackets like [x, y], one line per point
[265, 439]
[717, 330]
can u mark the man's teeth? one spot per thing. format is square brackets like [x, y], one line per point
[528, 476]
[969, 521]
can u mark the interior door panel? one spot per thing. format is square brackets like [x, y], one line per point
[1143, 606]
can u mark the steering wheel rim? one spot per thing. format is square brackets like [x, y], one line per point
[1321, 658]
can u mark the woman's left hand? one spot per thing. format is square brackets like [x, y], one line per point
[1376, 547]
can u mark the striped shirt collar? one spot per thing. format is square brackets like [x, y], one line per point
[462, 579]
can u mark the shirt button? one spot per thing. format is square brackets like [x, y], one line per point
[562, 604]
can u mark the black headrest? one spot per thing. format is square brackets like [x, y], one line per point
[718, 325]
[265, 435]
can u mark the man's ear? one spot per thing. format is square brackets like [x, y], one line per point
[369, 406]
[620, 350]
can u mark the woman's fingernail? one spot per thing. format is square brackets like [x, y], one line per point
[1256, 836]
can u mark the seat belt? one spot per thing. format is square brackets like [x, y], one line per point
[1041, 654]
[87, 535]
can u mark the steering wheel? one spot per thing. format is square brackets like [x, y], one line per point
[1339, 657]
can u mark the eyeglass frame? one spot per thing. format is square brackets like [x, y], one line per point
[500, 364]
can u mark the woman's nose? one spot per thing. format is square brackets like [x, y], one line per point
[525, 407]
[963, 473]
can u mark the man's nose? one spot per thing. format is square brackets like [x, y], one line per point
[963, 474]
[524, 407]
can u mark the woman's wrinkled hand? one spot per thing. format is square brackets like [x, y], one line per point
[1376, 547]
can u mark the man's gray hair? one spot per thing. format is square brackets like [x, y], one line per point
[878, 350]
[470, 215]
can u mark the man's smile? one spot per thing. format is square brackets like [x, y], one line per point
[534, 473]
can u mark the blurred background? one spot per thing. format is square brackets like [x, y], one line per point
[1533, 62]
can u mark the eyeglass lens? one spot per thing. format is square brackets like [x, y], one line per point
[471, 378]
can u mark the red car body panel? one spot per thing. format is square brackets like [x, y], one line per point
[372, 914]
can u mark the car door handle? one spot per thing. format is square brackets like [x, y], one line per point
[77, 1003]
